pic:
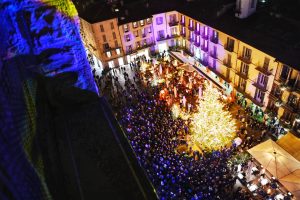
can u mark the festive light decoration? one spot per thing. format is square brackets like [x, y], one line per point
[175, 111]
[212, 127]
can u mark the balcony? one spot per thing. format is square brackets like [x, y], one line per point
[183, 34]
[259, 86]
[173, 23]
[197, 44]
[126, 30]
[264, 70]
[227, 63]
[290, 107]
[191, 39]
[241, 90]
[144, 35]
[204, 62]
[146, 45]
[225, 78]
[188, 52]
[204, 48]
[229, 47]
[182, 23]
[214, 40]
[161, 38]
[275, 95]
[243, 75]
[214, 55]
[245, 59]
[191, 28]
[256, 101]
[197, 32]
[205, 36]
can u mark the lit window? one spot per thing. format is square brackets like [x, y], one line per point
[159, 20]
[118, 51]
[191, 23]
[205, 31]
[108, 54]
[198, 26]
[125, 27]
[121, 61]
[148, 20]
[142, 22]
[182, 19]
[134, 24]
[198, 39]
[127, 38]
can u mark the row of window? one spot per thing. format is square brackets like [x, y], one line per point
[112, 27]
[140, 23]
[104, 37]
[107, 47]
[109, 53]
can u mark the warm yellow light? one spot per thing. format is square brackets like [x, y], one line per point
[212, 127]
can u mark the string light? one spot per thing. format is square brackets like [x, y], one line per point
[212, 127]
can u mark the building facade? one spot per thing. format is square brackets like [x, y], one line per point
[253, 77]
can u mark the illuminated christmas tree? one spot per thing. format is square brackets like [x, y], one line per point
[212, 127]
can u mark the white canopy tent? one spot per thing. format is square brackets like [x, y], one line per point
[280, 164]
[292, 183]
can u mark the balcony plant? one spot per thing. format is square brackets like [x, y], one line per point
[283, 86]
[287, 126]
[278, 103]
[297, 117]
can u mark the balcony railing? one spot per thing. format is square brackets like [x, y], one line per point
[276, 95]
[182, 23]
[264, 70]
[191, 28]
[290, 107]
[228, 47]
[227, 63]
[225, 78]
[160, 38]
[256, 101]
[204, 62]
[191, 39]
[205, 36]
[243, 75]
[183, 34]
[259, 86]
[245, 59]
[214, 55]
[197, 44]
[241, 90]
[197, 32]
[173, 23]
[204, 48]
[214, 40]
[189, 52]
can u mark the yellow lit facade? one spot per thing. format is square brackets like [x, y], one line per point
[242, 70]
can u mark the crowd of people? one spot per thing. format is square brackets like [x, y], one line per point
[155, 137]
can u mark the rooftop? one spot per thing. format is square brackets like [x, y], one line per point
[267, 29]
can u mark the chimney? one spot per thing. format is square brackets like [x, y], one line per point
[126, 12]
[122, 3]
[245, 8]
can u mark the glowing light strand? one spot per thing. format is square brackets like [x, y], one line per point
[212, 127]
